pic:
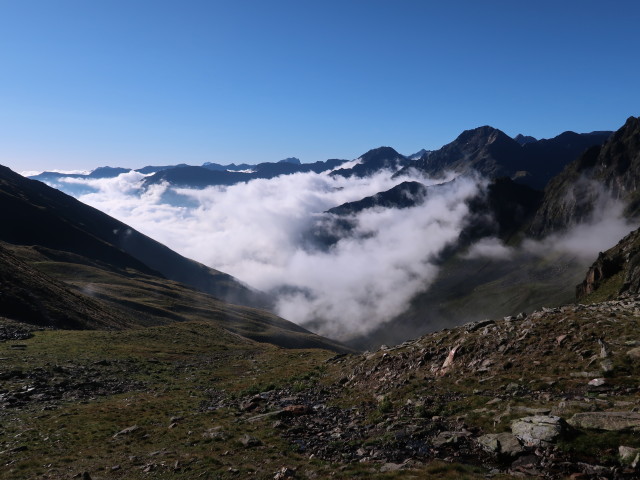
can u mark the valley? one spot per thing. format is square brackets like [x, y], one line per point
[123, 359]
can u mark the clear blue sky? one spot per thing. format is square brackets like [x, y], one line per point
[130, 83]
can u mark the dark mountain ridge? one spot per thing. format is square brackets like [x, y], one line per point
[599, 175]
[381, 158]
[66, 265]
[492, 153]
[200, 177]
[33, 213]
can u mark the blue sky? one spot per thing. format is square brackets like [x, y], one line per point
[132, 83]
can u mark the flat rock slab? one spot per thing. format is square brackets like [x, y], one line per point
[540, 430]
[611, 421]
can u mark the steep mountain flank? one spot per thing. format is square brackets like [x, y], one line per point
[601, 174]
[60, 269]
[34, 214]
[502, 210]
[30, 296]
[616, 272]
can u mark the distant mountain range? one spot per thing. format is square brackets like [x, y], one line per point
[534, 188]
[485, 150]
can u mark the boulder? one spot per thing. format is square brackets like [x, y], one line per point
[539, 430]
[611, 421]
[248, 441]
[501, 443]
[634, 353]
[629, 456]
[448, 438]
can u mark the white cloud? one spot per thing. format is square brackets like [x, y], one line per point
[490, 248]
[257, 230]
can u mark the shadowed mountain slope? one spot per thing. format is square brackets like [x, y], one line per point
[58, 271]
[494, 154]
[601, 174]
[34, 214]
[616, 272]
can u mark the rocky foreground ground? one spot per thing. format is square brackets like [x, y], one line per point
[553, 394]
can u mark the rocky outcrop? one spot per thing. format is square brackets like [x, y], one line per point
[618, 268]
[611, 421]
[541, 430]
[501, 443]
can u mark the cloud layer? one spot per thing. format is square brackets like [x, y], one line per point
[258, 232]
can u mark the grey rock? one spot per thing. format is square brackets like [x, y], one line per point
[284, 472]
[634, 353]
[391, 467]
[127, 431]
[539, 430]
[597, 382]
[502, 443]
[444, 438]
[629, 456]
[611, 421]
[248, 441]
[215, 433]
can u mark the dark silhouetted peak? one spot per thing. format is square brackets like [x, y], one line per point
[108, 172]
[486, 150]
[380, 154]
[492, 153]
[294, 160]
[419, 154]
[524, 139]
[403, 195]
[481, 135]
[382, 158]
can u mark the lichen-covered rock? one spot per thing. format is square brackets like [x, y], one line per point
[503, 443]
[629, 456]
[542, 430]
[612, 421]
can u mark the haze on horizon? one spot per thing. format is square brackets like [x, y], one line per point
[89, 84]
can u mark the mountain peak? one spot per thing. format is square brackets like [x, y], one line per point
[524, 139]
[294, 160]
[376, 154]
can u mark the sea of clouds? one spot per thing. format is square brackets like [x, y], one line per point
[258, 231]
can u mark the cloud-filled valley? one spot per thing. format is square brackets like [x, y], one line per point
[261, 232]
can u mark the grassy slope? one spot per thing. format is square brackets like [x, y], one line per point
[147, 300]
[177, 371]
[467, 290]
